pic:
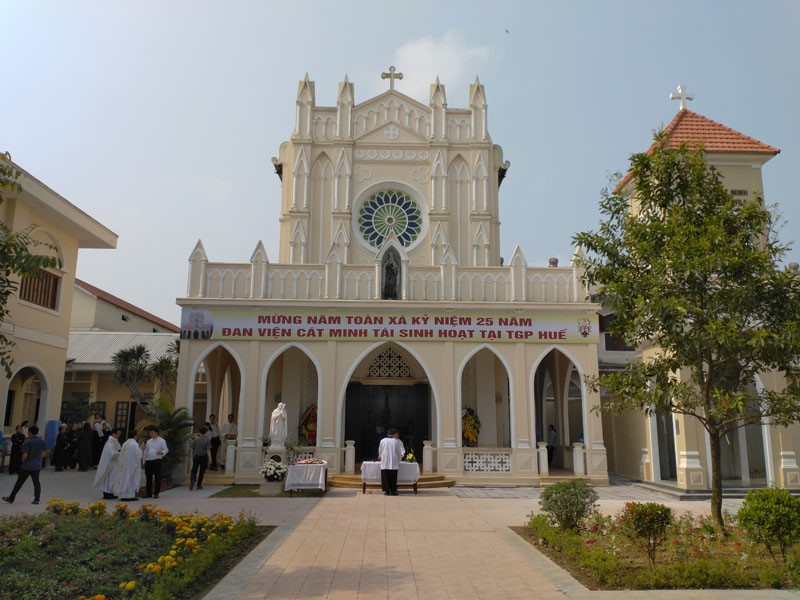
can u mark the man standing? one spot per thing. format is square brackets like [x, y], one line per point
[108, 467]
[154, 452]
[390, 453]
[552, 442]
[201, 452]
[98, 438]
[215, 440]
[130, 476]
[228, 431]
[32, 451]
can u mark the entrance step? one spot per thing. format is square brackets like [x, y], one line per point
[677, 493]
[425, 481]
[213, 478]
[548, 480]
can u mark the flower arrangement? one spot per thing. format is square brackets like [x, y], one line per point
[410, 457]
[307, 430]
[273, 470]
[470, 426]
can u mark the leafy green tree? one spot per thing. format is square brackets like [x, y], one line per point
[696, 273]
[16, 259]
[176, 426]
[131, 369]
[164, 371]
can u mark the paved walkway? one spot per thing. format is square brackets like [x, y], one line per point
[441, 543]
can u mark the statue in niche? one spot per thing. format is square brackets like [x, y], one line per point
[390, 282]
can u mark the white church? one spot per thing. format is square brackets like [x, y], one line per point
[389, 306]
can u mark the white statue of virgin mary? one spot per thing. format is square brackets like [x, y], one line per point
[277, 426]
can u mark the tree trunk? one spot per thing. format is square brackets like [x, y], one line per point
[716, 477]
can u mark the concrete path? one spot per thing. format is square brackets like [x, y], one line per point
[442, 543]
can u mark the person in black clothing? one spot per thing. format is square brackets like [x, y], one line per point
[15, 460]
[85, 447]
[72, 446]
[60, 449]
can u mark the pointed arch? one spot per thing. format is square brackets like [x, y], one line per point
[488, 394]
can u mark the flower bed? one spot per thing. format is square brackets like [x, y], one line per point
[74, 552]
[695, 554]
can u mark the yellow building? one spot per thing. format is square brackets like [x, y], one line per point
[674, 449]
[39, 318]
[390, 306]
[102, 325]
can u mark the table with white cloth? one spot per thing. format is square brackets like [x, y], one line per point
[407, 474]
[307, 476]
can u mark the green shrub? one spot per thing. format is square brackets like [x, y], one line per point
[772, 517]
[646, 524]
[569, 502]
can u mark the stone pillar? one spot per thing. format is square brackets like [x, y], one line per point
[427, 456]
[790, 473]
[350, 457]
[645, 474]
[230, 455]
[578, 463]
[544, 469]
[691, 474]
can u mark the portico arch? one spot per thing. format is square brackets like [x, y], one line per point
[28, 395]
[290, 376]
[485, 387]
[560, 399]
[388, 387]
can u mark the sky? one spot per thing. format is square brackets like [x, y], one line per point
[159, 119]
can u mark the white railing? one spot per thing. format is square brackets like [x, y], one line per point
[261, 279]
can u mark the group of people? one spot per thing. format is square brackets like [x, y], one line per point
[119, 472]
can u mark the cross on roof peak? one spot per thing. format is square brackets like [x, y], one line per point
[682, 96]
[391, 76]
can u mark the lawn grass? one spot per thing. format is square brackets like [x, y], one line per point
[69, 552]
[246, 490]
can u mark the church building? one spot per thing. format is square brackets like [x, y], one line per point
[389, 306]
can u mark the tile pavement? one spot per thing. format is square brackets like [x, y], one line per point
[441, 543]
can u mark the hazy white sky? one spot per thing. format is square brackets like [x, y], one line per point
[159, 119]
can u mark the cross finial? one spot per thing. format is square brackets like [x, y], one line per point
[391, 76]
[682, 96]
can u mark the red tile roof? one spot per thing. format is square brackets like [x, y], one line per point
[120, 303]
[688, 126]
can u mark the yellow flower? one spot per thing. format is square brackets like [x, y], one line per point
[130, 585]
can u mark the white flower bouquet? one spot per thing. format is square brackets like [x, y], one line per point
[273, 470]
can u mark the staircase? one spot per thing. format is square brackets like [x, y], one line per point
[426, 481]
[213, 478]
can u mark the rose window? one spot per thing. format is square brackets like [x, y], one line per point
[390, 212]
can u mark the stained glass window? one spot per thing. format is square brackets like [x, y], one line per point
[390, 212]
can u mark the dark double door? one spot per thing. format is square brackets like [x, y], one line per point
[371, 409]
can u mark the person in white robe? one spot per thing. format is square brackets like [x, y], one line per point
[130, 467]
[108, 467]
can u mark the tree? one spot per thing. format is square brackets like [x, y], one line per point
[690, 270]
[16, 259]
[164, 371]
[131, 369]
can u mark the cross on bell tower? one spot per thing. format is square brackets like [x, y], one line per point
[682, 96]
[391, 76]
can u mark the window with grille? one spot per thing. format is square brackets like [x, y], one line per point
[41, 290]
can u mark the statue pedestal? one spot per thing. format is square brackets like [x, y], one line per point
[277, 454]
[271, 488]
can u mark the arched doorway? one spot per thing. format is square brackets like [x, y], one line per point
[293, 379]
[559, 401]
[387, 389]
[217, 386]
[27, 398]
[485, 397]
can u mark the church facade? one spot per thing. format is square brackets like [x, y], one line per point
[390, 306]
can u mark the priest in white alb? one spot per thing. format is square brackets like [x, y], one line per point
[130, 469]
[108, 467]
